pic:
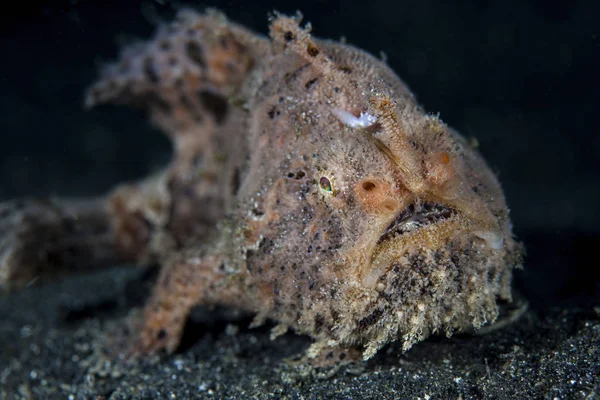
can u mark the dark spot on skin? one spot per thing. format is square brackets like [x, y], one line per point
[224, 42]
[310, 83]
[288, 36]
[370, 319]
[336, 89]
[455, 259]
[197, 160]
[185, 101]
[162, 333]
[150, 70]
[272, 112]
[215, 104]
[195, 53]
[164, 45]
[319, 321]
[307, 212]
[342, 355]
[298, 175]
[235, 181]
[334, 314]
[312, 50]
[329, 355]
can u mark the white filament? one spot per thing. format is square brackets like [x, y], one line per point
[348, 119]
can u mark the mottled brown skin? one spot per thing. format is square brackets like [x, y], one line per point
[278, 203]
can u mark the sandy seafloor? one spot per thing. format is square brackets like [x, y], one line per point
[49, 336]
[519, 76]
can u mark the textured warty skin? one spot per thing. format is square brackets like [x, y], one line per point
[307, 186]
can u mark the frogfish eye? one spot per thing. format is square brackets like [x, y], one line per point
[325, 185]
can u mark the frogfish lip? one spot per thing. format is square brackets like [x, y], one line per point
[423, 215]
[392, 242]
[415, 216]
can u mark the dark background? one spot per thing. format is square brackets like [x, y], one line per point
[520, 76]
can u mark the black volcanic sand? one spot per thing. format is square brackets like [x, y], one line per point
[49, 335]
